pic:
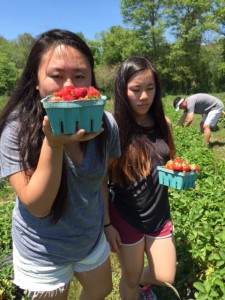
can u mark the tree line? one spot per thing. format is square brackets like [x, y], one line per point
[185, 39]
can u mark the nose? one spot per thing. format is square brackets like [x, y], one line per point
[144, 95]
[68, 82]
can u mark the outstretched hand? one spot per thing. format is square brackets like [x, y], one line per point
[61, 139]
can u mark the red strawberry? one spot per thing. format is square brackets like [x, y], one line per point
[67, 97]
[169, 164]
[179, 160]
[80, 92]
[186, 167]
[197, 168]
[93, 93]
[66, 90]
[58, 94]
[69, 89]
[177, 166]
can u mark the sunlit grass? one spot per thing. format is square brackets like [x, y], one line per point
[6, 192]
[75, 287]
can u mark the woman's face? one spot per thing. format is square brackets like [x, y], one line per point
[141, 92]
[62, 66]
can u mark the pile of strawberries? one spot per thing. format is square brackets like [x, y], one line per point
[71, 93]
[178, 164]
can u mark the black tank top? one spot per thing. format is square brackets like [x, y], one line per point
[145, 205]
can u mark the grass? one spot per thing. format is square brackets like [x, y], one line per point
[6, 193]
[75, 287]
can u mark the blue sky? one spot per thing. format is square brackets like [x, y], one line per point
[29, 16]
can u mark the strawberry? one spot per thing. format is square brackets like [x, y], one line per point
[80, 92]
[180, 165]
[58, 94]
[186, 167]
[70, 92]
[67, 98]
[179, 160]
[169, 164]
[197, 168]
[66, 90]
[93, 93]
[177, 166]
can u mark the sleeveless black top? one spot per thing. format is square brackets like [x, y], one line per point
[145, 205]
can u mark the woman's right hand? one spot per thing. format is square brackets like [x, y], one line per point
[56, 141]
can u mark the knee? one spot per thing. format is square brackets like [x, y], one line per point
[166, 277]
[169, 277]
[130, 281]
[206, 127]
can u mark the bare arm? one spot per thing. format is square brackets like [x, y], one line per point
[111, 232]
[182, 119]
[169, 123]
[189, 120]
[38, 193]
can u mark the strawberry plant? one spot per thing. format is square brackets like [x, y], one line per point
[6, 286]
[200, 239]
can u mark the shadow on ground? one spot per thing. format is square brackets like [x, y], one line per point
[216, 144]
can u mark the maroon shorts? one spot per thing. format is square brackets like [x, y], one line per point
[131, 235]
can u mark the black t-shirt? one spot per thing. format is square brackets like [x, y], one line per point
[145, 205]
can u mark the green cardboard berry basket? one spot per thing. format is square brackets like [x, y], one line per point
[177, 180]
[67, 117]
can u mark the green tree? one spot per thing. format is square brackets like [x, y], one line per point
[96, 49]
[21, 48]
[8, 74]
[218, 14]
[187, 20]
[147, 19]
[118, 44]
[18, 49]
[218, 17]
[13, 56]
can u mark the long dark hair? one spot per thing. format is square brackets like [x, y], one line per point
[134, 160]
[25, 100]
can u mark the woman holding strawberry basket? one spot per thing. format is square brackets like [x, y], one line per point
[139, 216]
[58, 218]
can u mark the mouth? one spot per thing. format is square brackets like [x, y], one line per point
[143, 104]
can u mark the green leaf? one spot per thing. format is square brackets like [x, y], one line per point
[222, 254]
[199, 286]
[215, 256]
[219, 282]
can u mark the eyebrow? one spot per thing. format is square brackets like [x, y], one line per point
[139, 84]
[62, 69]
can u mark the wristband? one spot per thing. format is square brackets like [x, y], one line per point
[107, 225]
